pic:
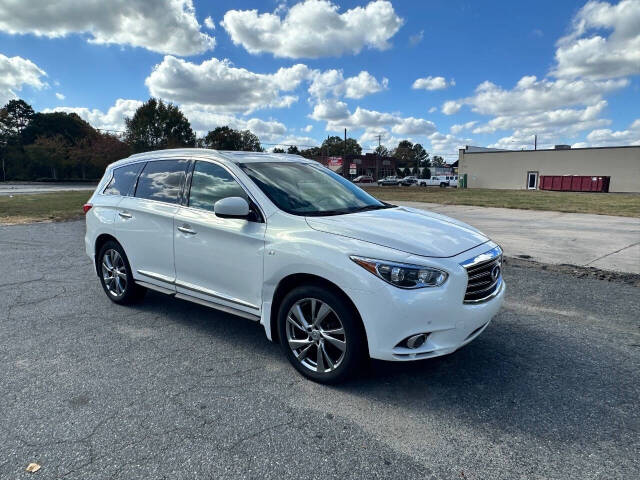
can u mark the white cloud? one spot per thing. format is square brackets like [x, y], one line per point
[432, 83]
[15, 73]
[113, 119]
[606, 137]
[433, 109]
[307, 129]
[301, 142]
[444, 144]
[414, 126]
[531, 95]
[374, 122]
[205, 118]
[451, 106]
[456, 129]
[587, 52]
[566, 121]
[218, 84]
[209, 23]
[363, 118]
[416, 38]
[330, 109]
[165, 26]
[332, 82]
[60, 96]
[313, 29]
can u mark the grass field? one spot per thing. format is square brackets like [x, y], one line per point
[623, 204]
[68, 205]
[42, 207]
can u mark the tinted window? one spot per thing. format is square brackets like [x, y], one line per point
[161, 180]
[123, 180]
[211, 183]
[307, 189]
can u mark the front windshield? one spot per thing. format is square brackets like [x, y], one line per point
[307, 189]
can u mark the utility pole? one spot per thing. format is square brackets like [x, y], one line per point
[344, 157]
[535, 142]
[378, 159]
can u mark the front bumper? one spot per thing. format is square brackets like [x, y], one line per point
[391, 315]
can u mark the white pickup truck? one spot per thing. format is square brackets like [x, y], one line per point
[439, 181]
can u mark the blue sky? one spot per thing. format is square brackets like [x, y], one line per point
[444, 73]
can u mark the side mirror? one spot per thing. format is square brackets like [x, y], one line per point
[231, 207]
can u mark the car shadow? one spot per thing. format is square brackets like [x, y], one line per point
[514, 377]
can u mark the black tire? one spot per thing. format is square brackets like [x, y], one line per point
[355, 353]
[443, 185]
[131, 292]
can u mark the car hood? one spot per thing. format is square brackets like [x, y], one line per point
[410, 230]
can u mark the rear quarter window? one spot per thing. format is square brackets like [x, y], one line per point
[123, 180]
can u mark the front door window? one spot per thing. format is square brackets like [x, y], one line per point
[532, 180]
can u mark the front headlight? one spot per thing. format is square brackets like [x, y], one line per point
[403, 275]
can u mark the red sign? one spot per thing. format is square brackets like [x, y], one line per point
[334, 163]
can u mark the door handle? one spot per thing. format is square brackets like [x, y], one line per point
[187, 229]
[125, 215]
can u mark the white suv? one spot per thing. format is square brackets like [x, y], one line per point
[330, 272]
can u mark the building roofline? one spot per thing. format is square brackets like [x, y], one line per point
[548, 149]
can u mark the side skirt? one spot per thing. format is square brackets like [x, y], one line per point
[206, 303]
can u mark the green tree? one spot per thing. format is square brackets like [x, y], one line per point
[278, 150]
[335, 147]
[313, 152]
[225, 138]
[404, 154]
[293, 150]
[48, 156]
[69, 126]
[15, 116]
[381, 151]
[421, 156]
[156, 125]
[437, 161]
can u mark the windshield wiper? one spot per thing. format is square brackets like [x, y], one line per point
[326, 213]
[371, 207]
[345, 211]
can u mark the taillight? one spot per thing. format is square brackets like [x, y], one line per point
[86, 207]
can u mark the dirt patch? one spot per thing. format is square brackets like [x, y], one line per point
[577, 271]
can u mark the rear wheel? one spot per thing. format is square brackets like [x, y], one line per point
[320, 334]
[115, 275]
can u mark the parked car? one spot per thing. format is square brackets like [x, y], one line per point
[391, 180]
[439, 180]
[408, 181]
[363, 179]
[330, 272]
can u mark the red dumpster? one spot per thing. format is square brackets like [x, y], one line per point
[574, 183]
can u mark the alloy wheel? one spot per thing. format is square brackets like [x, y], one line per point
[114, 273]
[316, 335]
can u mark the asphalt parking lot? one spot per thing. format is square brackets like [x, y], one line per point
[168, 389]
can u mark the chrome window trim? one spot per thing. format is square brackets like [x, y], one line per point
[235, 177]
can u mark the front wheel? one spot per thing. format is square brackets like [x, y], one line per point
[321, 335]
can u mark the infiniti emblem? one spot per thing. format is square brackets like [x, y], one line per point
[495, 273]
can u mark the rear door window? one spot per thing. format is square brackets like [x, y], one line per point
[123, 180]
[162, 180]
[210, 183]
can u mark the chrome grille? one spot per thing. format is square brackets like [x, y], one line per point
[484, 276]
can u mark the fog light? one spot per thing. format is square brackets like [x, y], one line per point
[416, 340]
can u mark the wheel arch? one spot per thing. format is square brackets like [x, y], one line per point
[292, 281]
[100, 241]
